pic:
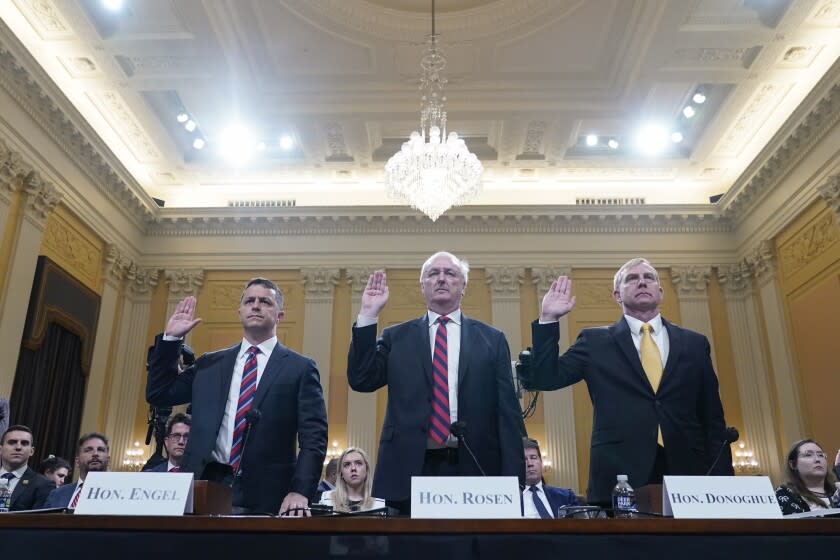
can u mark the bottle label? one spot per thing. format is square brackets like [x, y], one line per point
[624, 502]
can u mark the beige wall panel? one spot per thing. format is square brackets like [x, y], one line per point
[528, 311]
[722, 343]
[343, 318]
[74, 247]
[778, 430]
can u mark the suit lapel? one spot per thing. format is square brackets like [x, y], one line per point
[422, 326]
[674, 350]
[22, 485]
[272, 372]
[621, 334]
[226, 364]
[464, 353]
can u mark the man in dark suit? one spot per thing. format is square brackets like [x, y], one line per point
[257, 391]
[175, 442]
[467, 379]
[539, 500]
[94, 455]
[29, 490]
[648, 420]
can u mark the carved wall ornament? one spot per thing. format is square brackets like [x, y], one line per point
[762, 259]
[140, 281]
[121, 118]
[183, 282]
[76, 253]
[691, 280]
[357, 278]
[534, 137]
[594, 293]
[830, 191]
[41, 198]
[114, 266]
[45, 19]
[504, 281]
[829, 11]
[709, 55]
[320, 282]
[752, 118]
[543, 276]
[736, 279]
[225, 296]
[809, 244]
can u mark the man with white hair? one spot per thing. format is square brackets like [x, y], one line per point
[440, 368]
[654, 391]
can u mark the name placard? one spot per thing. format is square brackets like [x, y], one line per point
[143, 493]
[465, 497]
[719, 497]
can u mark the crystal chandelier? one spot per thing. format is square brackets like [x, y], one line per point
[433, 172]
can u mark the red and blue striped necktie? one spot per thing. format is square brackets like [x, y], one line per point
[247, 388]
[439, 424]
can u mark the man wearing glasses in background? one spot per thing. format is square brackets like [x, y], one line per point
[654, 391]
[177, 434]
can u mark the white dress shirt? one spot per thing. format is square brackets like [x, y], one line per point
[17, 472]
[529, 510]
[658, 332]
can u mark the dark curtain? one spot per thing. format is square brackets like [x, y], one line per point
[48, 393]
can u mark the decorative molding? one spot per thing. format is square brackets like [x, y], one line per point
[735, 279]
[751, 118]
[691, 280]
[319, 283]
[809, 244]
[543, 276]
[141, 281]
[41, 199]
[184, 282]
[830, 191]
[762, 260]
[121, 118]
[120, 270]
[76, 253]
[357, 278]
[594, 293]
[504, 281]
[22, 78]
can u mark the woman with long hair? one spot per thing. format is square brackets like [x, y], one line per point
[353, 486]
[809, 482]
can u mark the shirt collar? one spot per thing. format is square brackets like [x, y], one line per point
[539, 486]
[18, 472]
[454, 317]
[266, 346]
[636, 325]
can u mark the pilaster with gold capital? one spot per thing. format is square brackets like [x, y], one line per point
[505, 298]
[361, 407]
[830, 191]
[691, 284]
[319, 293]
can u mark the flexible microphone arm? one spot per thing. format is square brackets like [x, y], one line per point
[252, 417]
[731, 436]
[459, 430]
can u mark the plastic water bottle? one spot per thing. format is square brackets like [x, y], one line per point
[5, 495]
[623, 498]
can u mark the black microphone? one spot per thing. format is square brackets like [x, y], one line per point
[459, 430]
[252, 417]
[731, 436]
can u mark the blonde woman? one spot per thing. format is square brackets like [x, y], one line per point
[353, 486]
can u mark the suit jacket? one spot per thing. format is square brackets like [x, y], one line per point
[291, 401]
[31, 491]
[626, 410]
[402, 360]
[160, 467]
[61, 496]
[557, 498]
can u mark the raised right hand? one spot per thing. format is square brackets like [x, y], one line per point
[182, 320]
[558, 300]
[375, 295]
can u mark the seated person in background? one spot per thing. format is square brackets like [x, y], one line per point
[809, 483]
[175, 442]
[539, 500]
[56, 469]
[353, 487]
[330, 475]
[93, 455]
[29, 489]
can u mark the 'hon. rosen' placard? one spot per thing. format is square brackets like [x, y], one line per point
[719, 497]
[465, 497]
[144, 493]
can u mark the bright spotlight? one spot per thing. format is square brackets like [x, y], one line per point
[261, 147]
[190, 125]
[286, 142]
[652, 139]
[198, 143]
[182, 117]
[613, 144]
[676, 137]
[591, 140]
[113, 5]
[699, 98]
[237, 144]
[689, 112]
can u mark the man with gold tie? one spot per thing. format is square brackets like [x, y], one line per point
[654, 391]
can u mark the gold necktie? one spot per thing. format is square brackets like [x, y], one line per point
[652, 364]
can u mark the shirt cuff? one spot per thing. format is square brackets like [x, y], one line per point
[549, 322]
[362, 321]
[169, 338]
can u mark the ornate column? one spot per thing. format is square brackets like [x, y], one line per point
[38, 199]
[129, 359]
[504, 297]
[558, 406]
[763, 261]
[750, 367]
[830, 191]
[12, 169]
[361, 407]
[182, 283]
[319, 286]
[692, 284]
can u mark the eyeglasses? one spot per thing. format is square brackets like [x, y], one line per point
[812, 454]
[178, 437]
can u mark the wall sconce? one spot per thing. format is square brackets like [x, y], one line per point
[744, 461]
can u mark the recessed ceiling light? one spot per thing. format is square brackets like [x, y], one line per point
[190, 125]
[198, 143]
[699, 98]
[676, 137]
[286, 142]
[113, 5]
[612, 143]
[182, 117]
[652, 139]
[591, 140]
[689, 112]
[237, 144]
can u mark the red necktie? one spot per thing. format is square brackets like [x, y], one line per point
[439, 423]
[76, 497]
[175, 469]
[247, 388]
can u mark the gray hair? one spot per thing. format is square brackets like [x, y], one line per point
[464, 266]
[619, 276]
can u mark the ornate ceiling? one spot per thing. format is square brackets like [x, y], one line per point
[528, 80]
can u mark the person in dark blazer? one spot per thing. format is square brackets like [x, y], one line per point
[256, 388]
[539, 500]
[175, 443]
[469, 380]
[93, 455]
[29, 489]
[654, 391]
